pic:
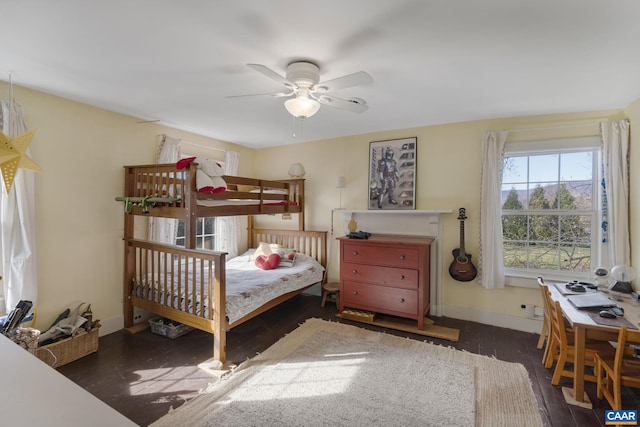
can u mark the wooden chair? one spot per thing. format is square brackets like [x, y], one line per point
[552, 348]
[563, 342]
[621, 369]
[545, 333]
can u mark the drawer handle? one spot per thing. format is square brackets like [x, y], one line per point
[355, 292]
[354, 272]
[402, 257]
[401, 299]
[402, 277]
[355, 252]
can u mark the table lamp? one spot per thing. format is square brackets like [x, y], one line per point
[622, 276]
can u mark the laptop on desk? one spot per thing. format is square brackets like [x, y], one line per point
[593, 300]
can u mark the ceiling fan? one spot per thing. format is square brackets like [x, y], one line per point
[305, 91]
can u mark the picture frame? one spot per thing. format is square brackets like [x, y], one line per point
[392, 174]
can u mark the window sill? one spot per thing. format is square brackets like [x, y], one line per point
[530, 279]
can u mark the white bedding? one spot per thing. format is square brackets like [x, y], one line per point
[243, 202]
[249, 287]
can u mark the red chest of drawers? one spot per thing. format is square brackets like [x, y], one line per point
[386, 274]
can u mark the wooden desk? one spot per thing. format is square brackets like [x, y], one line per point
[585, 328]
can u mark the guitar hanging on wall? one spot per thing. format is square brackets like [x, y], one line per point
[462, 269]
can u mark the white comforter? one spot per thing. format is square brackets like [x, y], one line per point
[249, 287]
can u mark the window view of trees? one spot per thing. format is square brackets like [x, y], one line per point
[547, 211]
[205, 233]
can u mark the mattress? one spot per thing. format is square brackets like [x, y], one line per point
[240, 202]
[248, 287]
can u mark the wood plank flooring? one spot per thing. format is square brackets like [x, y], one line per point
[144, 375]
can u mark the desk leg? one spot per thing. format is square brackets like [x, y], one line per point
[577, 396]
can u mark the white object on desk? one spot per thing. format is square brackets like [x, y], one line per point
[35, 394]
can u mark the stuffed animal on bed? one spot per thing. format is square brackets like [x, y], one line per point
[208, 176]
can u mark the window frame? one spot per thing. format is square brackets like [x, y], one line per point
[527, 277]
[200, 237]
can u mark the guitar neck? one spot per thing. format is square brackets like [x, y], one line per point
[462, 237]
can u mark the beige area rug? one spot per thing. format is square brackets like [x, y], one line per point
[331, 374]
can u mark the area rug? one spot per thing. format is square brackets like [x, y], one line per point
[327, 373]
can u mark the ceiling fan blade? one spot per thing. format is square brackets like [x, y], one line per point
[355, 105]
[256, 95]
[350, 80]
[268, 72]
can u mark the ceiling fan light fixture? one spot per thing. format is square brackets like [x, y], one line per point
[302, 106]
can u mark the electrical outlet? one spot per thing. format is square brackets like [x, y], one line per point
[140, 315]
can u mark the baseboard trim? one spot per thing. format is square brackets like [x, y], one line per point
[111, 325]
[524, 324]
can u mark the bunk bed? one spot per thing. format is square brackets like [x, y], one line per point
[199, 288]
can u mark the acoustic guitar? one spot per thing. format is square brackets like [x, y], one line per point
[462, 269]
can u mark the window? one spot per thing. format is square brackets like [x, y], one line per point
[550, 207]
[205, 233]
[205, 227]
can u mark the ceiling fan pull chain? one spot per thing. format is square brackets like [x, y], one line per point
[299, 128]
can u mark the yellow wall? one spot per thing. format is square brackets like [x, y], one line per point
[82, 150]
[633, 113]
[448, 177]
[79, 225]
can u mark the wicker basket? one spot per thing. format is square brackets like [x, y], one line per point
[168, 328]
[26, 338]
[65, 351]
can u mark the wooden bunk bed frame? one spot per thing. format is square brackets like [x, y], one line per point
[151, 190]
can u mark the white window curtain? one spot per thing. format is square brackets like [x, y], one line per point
[18, 237]
[615, 157]
[228, 228]
[491, 257]
[163, 230]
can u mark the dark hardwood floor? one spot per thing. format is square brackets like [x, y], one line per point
[143, 375]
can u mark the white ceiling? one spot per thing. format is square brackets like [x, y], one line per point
[432, 61]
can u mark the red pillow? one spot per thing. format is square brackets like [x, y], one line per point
[269, 262]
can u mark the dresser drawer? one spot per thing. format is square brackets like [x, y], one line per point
[391, 256]
[384, 299]
[390, 276]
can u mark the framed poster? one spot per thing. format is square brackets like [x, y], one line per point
[392, 174]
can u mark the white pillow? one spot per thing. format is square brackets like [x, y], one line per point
[265, 248]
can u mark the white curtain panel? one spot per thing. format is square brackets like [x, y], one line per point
[615, 156]
[163, 230]
[491, 258]
[18, 237]
[228, 227]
